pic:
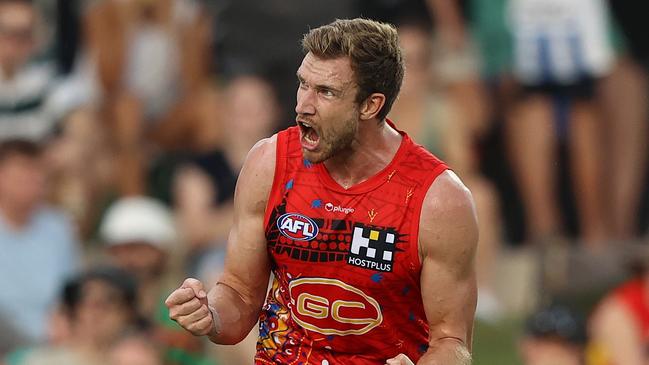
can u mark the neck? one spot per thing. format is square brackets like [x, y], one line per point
[371, 151]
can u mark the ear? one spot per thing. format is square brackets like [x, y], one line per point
[372, 106]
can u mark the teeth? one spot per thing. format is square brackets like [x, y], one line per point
[306, 125]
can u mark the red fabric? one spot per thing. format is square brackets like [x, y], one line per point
[634, 296]
[346, 292]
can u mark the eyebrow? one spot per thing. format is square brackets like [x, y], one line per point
[320, 86]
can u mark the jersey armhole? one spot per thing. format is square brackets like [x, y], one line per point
[438, 170]
[280, 169]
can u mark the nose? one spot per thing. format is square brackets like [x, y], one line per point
[305, 102]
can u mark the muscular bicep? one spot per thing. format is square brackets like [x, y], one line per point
[448, 239]
[247, 264]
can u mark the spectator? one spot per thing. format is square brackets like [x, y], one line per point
[204, 186]
[100, 307]
[38, 244]
[81, 169]
[134, 349]
[150, 58]
[140, 236]
[554, 336]
[30, 97]
[560, 49]
[626, 101]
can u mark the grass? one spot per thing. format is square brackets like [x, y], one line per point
[495, 344]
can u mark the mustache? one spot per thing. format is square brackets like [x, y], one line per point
[303, 119]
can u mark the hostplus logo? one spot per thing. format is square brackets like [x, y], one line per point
[329, 207]
[373, 248]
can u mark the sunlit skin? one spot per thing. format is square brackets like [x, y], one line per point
[346, 135]
[326, 100]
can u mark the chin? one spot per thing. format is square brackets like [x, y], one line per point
[313, 157]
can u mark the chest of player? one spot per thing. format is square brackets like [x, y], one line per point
[317, 231]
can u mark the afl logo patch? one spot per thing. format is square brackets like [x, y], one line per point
[297, 227]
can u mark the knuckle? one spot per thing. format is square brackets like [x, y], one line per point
[191, 282]
[192, 305]
[205, 311]
[195, 327]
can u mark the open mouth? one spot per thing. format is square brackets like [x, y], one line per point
[309, 136]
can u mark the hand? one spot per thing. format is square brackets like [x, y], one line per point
[400, 359]
[188, 307]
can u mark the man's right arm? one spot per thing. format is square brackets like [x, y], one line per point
[231, 308]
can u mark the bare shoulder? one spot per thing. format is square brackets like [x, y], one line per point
[448, 223]
[256, 177]
[262, 154]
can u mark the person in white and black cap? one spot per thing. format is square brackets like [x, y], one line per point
[140, 236]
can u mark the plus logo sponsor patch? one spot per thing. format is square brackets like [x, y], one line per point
[373, 248]
[297, 227]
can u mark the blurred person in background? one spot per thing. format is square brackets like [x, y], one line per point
[24, 85]
[140, 237]
[81, 169]
[560, 50]
[625, 95]
[204, 184]
[99, 306]
[33, 93]
[151, 60]
[38, 242]
[433, 117]
[134, 349]
[555, 335]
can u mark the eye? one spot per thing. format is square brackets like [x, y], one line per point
[327, 93]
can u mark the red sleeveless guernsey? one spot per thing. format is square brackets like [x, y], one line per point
[345, 261]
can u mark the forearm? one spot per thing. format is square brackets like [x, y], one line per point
[448, 351]
[233, 315]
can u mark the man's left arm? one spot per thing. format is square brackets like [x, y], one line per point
[448, 237]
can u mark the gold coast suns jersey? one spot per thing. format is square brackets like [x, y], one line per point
[346, 286]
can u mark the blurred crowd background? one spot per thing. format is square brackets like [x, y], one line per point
[124, 123]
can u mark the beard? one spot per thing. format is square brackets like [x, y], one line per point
[333, 141]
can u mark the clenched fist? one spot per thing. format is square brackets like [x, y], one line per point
[188, 307]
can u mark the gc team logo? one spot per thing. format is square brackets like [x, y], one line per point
[297, 227]
[332, 307]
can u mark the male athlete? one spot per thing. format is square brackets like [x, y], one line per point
[370, 238]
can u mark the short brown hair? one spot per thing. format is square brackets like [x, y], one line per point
[373, 50]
